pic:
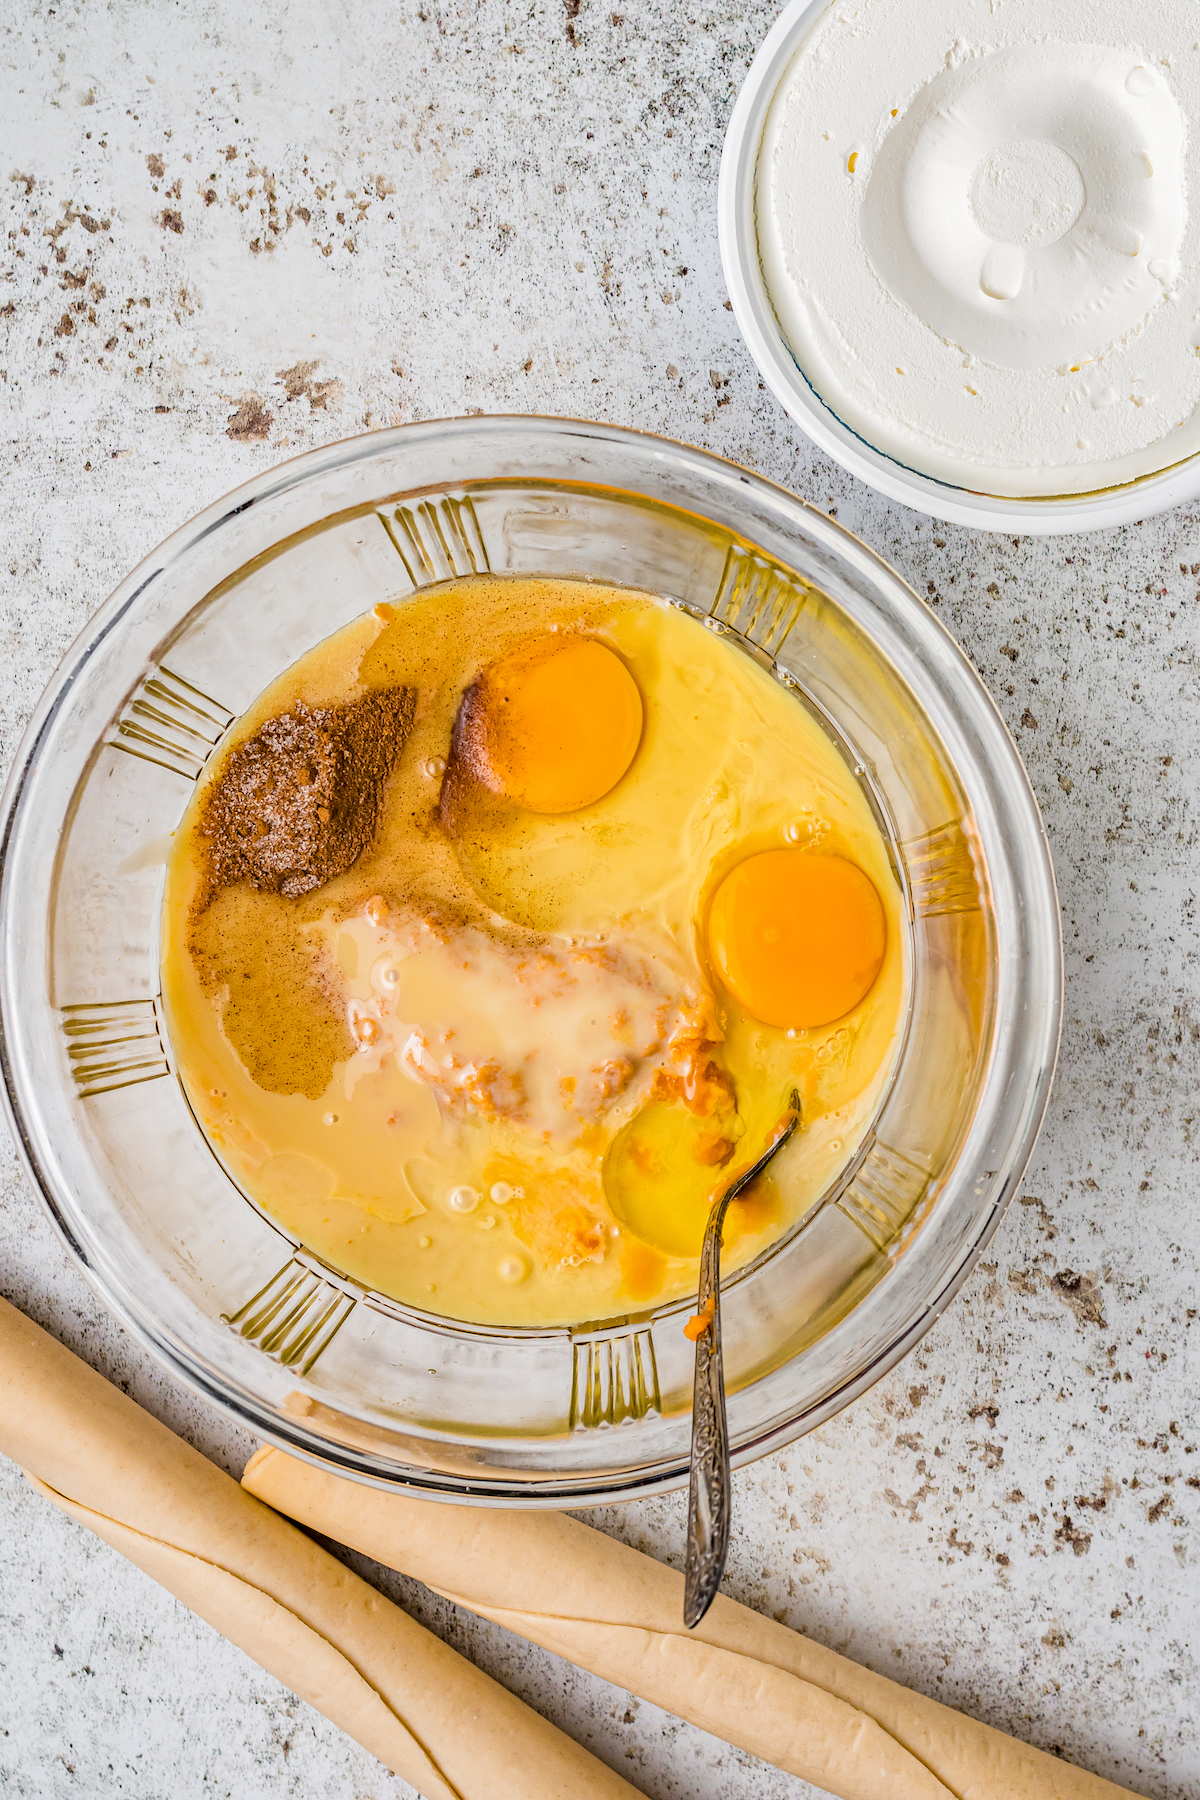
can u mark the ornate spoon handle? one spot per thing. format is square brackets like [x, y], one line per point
[709, 1508]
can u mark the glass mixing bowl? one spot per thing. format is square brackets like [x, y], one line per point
[249, 1318]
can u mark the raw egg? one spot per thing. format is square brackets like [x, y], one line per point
[797, 938]
[552, 726]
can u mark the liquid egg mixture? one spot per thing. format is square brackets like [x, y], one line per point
[498, 934]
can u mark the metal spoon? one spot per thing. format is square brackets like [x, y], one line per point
[708, 1491]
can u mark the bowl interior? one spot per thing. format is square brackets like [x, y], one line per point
[299, 1351]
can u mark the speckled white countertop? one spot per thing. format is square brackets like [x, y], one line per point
[235, 231]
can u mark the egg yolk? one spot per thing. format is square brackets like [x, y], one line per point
[798, 938]
[553, 725]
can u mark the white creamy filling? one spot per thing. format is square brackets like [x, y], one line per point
[546, 1036]
[974, 227]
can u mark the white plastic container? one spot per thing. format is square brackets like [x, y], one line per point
[767, 345]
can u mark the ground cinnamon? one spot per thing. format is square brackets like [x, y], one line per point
[300, 801]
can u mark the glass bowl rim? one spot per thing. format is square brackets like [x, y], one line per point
[245, 1408]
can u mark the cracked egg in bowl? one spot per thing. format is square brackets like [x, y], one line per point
[498, 934]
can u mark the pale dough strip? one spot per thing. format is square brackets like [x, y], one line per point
[276, 1639]
[427, 1713]
[745, 1678]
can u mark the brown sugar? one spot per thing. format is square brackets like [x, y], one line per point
[298, 803]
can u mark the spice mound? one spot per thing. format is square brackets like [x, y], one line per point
[299, 802]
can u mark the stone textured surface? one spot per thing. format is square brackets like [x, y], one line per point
[235, 231]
